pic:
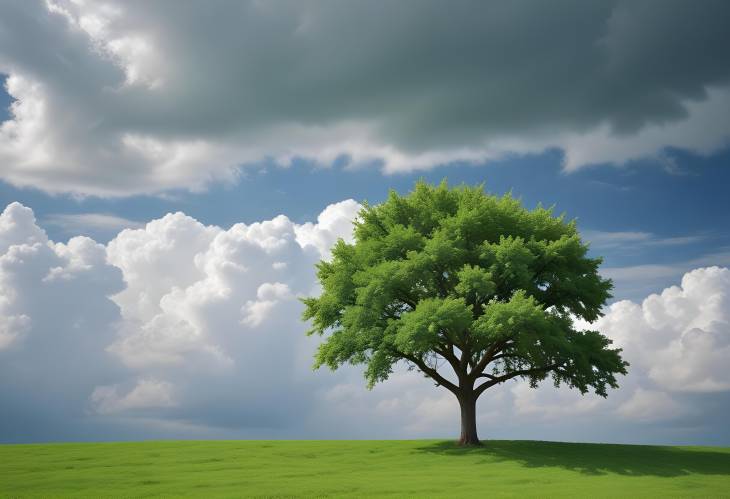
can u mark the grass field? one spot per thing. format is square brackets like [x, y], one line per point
[415, 468]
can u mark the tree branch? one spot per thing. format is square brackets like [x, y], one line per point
[440, 282]
[431, 372]
[524, 372]
[503, 356]
[448, 354]
[407, 301]
[487, 358]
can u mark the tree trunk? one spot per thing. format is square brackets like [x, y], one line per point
[468, 403]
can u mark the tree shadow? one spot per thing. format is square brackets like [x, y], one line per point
[596, 459]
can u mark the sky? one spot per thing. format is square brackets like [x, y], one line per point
[170, 175]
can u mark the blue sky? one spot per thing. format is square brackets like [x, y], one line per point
[687, 203]
[234, 143]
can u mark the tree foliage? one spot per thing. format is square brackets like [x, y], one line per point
[458, 277]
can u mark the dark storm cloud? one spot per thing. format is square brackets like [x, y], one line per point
[153, 95]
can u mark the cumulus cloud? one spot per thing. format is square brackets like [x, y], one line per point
[167, 248]
[55, 322]
[39, 277]
[206, 309]
[173, 319]
[268, 296]
[137, 97]
[18, 227]
[681, 337]
[335, 220]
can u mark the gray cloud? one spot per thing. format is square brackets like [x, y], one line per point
[55, 321]
[89, 224]
[118, 98]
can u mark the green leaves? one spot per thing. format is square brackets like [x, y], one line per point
[442, 270]
[434, 321]
[519, 317]
[511, 263]
[475, 285]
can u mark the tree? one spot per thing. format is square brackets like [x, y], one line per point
[456, 278]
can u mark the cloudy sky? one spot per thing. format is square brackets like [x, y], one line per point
[170, 173]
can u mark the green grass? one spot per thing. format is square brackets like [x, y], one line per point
[415, 468]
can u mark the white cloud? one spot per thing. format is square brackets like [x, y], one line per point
[18, 227]
[677, 343]
[267, 297]
[38, 276]
[175, 317]
[144, 98]
[680, 337]
[167, 249]
[334, 222]
[165, 341]
[207, 308]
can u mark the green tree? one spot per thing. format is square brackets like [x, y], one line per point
[456, 278]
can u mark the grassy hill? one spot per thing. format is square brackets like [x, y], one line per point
[415, 468]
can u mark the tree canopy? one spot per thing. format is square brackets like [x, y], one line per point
[457, 277]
